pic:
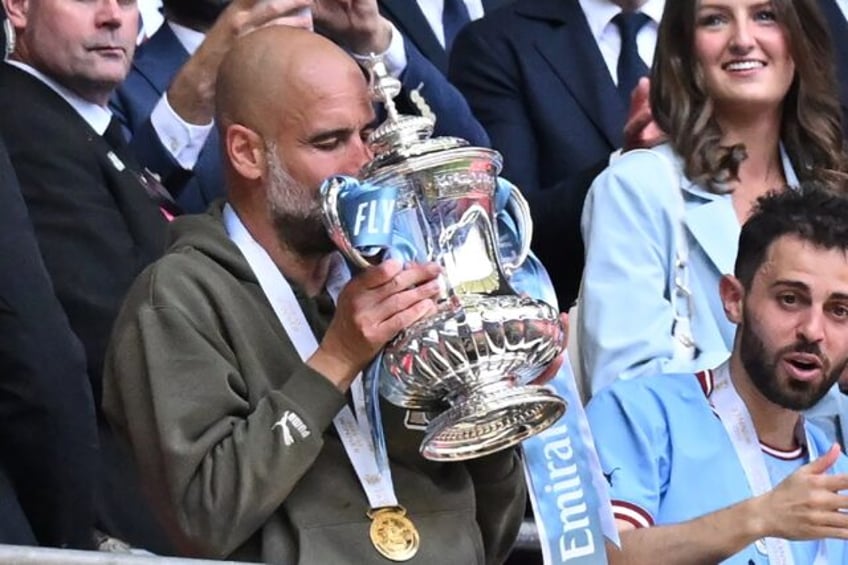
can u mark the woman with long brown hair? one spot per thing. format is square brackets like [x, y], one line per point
[746, 91]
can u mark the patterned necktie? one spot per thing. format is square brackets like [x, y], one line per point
[631, 67]
[454, 17]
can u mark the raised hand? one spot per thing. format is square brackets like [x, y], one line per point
[192, 92]
[356, 24]
[640, 130]
[808, 505]
[243, 16]
[372, 309]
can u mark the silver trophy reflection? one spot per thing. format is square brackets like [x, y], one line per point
[471, 362]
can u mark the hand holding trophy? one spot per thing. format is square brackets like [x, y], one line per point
[472, 362]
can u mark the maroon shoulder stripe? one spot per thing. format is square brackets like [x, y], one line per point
[632, 514]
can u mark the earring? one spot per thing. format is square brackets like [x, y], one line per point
[9, 30]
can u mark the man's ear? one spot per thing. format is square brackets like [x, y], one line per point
[17, 11]
[245, 151]
[732, 294]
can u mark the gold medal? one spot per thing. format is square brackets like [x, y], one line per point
[393, 534]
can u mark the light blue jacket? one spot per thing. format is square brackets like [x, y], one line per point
[630, 228]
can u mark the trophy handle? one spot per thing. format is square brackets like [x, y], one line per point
[520, 210]
[330, 190]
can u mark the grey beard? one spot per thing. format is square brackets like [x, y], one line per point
[296, 216]
[306, 236]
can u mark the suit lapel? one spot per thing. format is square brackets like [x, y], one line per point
[712, 221]
[159, 59]
[568, 47]
[121, 176]
[409, 19]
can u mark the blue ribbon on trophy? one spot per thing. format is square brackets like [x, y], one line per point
[368, 213]
[569, 493]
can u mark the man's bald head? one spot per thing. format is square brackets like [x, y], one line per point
[274, 69]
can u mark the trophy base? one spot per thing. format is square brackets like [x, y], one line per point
[491, 420]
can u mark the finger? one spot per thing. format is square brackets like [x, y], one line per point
[391, 326]
[302, 21]
[836, 502]
[646, 139]
[829, 519]
[638, 123]
[378, 275]
[823, 463]
[640, 93]
[400, 301]
[830, 533]
[833, 483]
[267, 11]
[653, 134]
[563, 319]
[414, 274]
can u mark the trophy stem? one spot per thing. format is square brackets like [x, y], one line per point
[490, 419]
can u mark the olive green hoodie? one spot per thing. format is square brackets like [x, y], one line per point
[198, 373]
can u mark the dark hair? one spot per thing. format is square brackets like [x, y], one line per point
[811, 127]
[815, 213]
[195, 14]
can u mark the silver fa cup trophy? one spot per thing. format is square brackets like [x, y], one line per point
[471, 363]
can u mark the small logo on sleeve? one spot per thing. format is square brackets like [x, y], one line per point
[608, 476]
[291, 422]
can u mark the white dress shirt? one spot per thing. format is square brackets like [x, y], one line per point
[151, 17]
[599, 15]
[843, 5]
[432, 10]
[394, 57]
[190, 39]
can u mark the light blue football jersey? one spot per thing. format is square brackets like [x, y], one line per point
[669, 459]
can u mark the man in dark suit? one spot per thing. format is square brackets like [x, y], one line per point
[95, 224]
[184, 53]
[541, 76]
[836, 13]
[427, 31]
[48, 439]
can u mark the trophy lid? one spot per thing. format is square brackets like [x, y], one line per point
[401, 140]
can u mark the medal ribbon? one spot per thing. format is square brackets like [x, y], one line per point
[737, 422]
[354, 431]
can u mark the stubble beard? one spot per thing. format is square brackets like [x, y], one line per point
[295, 212]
